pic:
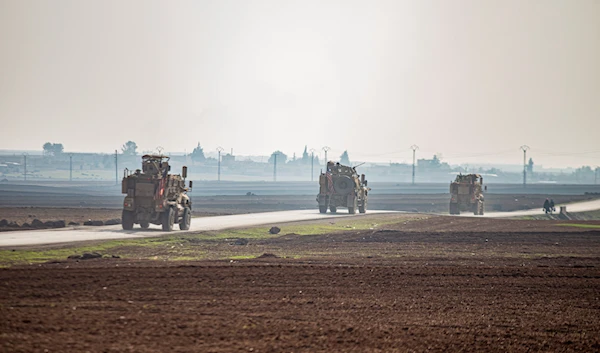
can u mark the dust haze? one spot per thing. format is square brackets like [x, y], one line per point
[471, 80]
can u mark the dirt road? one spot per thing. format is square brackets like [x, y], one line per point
[582, 206]
[83, 233]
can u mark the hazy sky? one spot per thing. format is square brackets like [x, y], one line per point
[470, 79]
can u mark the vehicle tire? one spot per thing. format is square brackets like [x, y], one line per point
[475, 208]
[454, 208]
[352, 209]
[168, 219]
[343, 184]
[127, 219]
[322, 208]
[363, 207]
[186, 219]
[333, 209]
[144, 225]
[481, 208]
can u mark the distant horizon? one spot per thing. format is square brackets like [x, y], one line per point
[383, 163]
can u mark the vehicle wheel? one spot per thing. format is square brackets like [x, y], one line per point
[363, 207]
[481, 208]
[127, 219]
[333, 209]
[168, 220]
[352, 209]
[323, 209]
[454, 209]
[186, 219]
[475, 208]
[144, 225]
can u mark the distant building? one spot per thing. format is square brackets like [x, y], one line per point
[228, 158]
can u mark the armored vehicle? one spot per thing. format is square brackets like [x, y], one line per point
[466, 194]
[341, 186]
[155, 196]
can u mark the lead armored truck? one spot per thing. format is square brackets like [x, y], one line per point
[153, 196]
[466, 194]
[341, 186]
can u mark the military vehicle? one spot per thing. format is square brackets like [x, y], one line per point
[341, 186]
[466, 194]
[155, 196]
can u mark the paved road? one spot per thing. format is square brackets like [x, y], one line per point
[74, 234]
[583, 206]
[67, 235]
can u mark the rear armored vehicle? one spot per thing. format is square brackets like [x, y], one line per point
[466, 194]
[341, 186]
[156, 197]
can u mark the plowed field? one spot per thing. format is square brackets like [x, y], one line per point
[424, 285]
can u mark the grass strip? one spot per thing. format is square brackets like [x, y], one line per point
[579, 225]
[193, 246]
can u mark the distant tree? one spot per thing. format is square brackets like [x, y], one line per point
[198, 154]
[108, 161]
[530, 166]
[493, 170]
[47, 148]
[58, 148]
[281, 157]
[584, 174]
[344, 159]
[129, 148]
[53, 149]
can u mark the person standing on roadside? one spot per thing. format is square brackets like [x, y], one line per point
[546, 206]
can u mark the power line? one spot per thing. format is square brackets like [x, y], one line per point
[414, 148]
[452, 155]
[564, 154]
[219, 150]
[326, 149]
[525, 148]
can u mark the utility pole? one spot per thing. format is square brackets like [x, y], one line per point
[25, 166]
[312, 164]
[525, 148]
[414, 148]
[116, 167]
[326, 148]
[219, 149]
[70, 167]
[275, 166]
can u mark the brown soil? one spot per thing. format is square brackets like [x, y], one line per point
[79, 215]
[420, 285]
